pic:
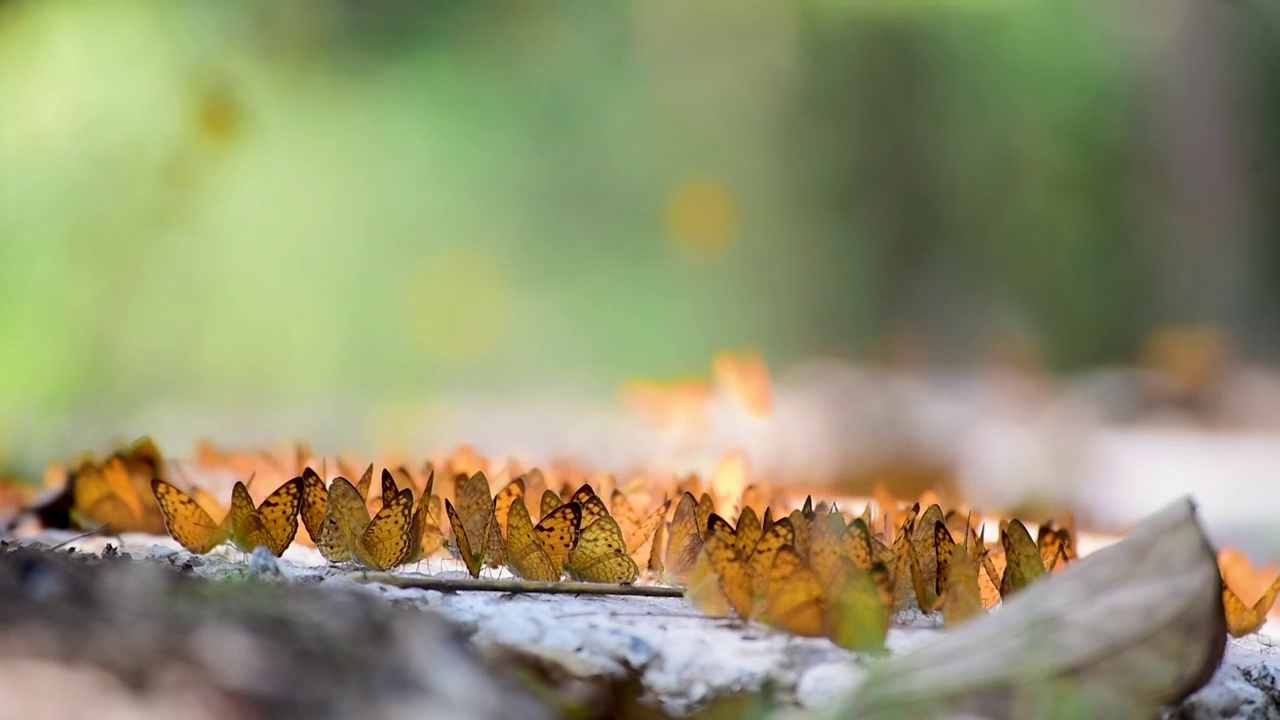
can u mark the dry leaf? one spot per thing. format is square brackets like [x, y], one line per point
[1118, 634]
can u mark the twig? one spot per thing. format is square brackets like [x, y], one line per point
[101, 529]
[518, 586]
[694, 615]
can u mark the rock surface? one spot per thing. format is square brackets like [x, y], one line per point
[662, 651]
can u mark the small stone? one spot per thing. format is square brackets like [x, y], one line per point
[264, 565]
[823, 684]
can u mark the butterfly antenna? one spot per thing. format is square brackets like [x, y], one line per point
[81, 536]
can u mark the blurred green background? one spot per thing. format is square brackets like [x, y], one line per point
[246, 206]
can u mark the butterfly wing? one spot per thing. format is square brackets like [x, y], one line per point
[601, 554]
[385, 541]
[526, 558]
[247, 528]
[472, 560]
[185, 520]
[558, 532]
[279, 514]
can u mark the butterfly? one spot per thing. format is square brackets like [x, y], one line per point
[684, 541]
[592, 506]
[537, 552]
[117, 493]
[272, 524]
[794, 599]
[477, 537]
[550, 501]
[379, 543]
[1239, 578]
[924, 541]
[827, 556]
[600, 554]
[104, 495]
[638, 530]
[186, 521]
[315, 504]
[425, 536]
[741, 577]
[721, 578]
[747, 530]
[1023, 562]
[858, 612]
[960, 594]
[508, 496]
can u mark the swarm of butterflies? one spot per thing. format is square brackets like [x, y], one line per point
[817, 571]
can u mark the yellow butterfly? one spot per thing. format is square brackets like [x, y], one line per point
[475, 505]
[721, 578]
[747, 531]
[315, 503]
[127, 475]
[105, 496]
[779, 535]
[592, 510]
[536, 553]
[379, 543]
[271, 524]
[117, 493]
[925, 543]
[704, 509]
[962, 595]
[637, 529]
[944, 550]
[186, 521]
[801, 521]
[903, 551]
[601, 555]
[1240, 580]
[425, 535]
[794, 600]
[1054, 545]
[477, 537]
[857, 544]
[592, 506]
[826, 550]
[364, 485]
[506, 497]
[549, 502]
[1023, 563]
[859, 610]
[684, 541]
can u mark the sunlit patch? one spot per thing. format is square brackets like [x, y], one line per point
[679, 406]
[729, 480]
[703, 215]
[744, 377]
[457, 304]
[1189, 359]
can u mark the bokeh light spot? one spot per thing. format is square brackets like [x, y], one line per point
[703, 215]
[218, 116]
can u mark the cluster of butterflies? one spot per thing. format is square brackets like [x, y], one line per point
[817, 573]
[579, 536]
